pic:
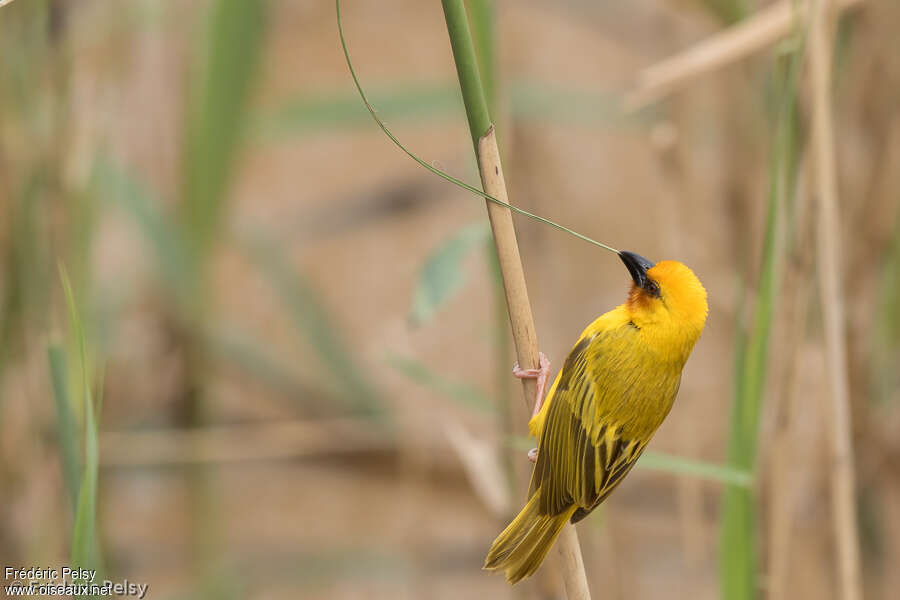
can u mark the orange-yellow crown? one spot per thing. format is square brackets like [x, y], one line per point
[674, 310]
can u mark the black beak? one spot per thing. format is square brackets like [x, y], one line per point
[637, 265]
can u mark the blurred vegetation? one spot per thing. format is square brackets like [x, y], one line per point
[65, 184]
[739, 547]
[85, 547]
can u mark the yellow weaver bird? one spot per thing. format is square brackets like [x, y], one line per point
[614, 390]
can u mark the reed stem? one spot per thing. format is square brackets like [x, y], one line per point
[843, 490]
[521, 320]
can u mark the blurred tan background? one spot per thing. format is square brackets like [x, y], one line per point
[275, 425]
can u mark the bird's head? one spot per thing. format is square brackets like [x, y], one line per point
[667, 298]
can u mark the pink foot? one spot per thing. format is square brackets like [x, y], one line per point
[542, 373]
[532, 455]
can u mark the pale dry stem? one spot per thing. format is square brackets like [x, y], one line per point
[752, 35]
[524, 336]
[829, 266]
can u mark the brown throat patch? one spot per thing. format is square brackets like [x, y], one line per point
[637, 299]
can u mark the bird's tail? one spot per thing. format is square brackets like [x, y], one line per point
[522, 546]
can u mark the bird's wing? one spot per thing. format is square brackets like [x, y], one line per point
[582, 454]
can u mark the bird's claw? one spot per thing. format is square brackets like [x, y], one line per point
[543, 368]
[532, 455]
[542, 373]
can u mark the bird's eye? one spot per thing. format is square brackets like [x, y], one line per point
[652, 288]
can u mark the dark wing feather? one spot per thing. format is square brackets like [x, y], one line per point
[580, 459]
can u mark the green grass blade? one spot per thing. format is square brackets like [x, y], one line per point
[66, 426]
[28, 272]
[463, 393]
[117, 185]
[217, 113]
[438, 103]
[886, 339]
[671, 464]
[313, 323]
[442, 275]
[250, 355]
[728, 11]
[678, 465]
[580, 108]
[84, 543]
[307, 115]
[738, 547]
